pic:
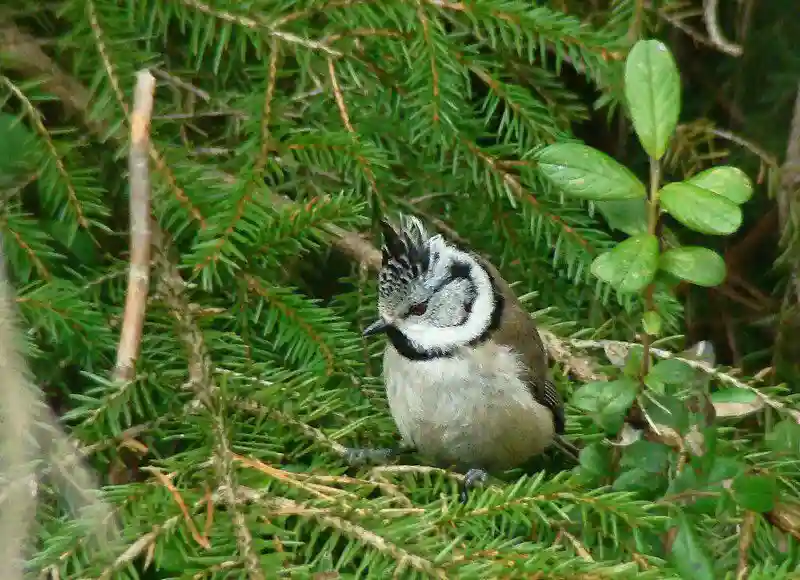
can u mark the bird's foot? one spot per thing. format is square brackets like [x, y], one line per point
[472, 478]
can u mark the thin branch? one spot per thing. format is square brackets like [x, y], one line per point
[401, 556]
[139, 272]
[745, 540]
[678, 22]
[171, 286]
[712, 25]
[269, 27]
[362, 161]
[272, 76]
[695, 364]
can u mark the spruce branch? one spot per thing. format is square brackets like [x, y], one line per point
[139, 272]
[258, 24]
[172, 287]
[36, 119]
[345, 115]
[513, 183]
[269, 94]
[403, 557]
[113, 79]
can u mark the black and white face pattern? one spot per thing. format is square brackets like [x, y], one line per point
[433, 296]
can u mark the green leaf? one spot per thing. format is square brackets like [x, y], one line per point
[595, 460]
[755, 492]
[653, 93]
[672, 372]
[638, 480]
[688, 553]
[734, 395]
[626, 215]
[584, 172]
[729, 182]
[701, 209]
[651, 321]
[607, 402]
[647, 455]
[667, 410]
[631, 266]
[694, 264]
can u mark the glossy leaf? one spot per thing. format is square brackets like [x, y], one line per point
[630, 266]
[755, 492]
[653, 93]
[626, 215]
[584, 172]
[701, 209]
[695, 264]
[688, 553]
[729, 182]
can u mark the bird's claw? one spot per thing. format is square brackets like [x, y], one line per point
[472, 478]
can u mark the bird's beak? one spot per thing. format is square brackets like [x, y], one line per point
[376, 327]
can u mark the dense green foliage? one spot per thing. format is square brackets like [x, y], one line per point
[280, 127]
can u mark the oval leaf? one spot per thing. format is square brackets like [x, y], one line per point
[701, 209]
[584, 172]
[631, 265]
[694, 264]
[607, 401]
[653, 93]
[729, 182]
[626, 215]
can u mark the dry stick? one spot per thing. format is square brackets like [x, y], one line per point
[139, 272]
[17, 418]
[714, 32]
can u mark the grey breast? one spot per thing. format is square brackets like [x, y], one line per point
[474, 409]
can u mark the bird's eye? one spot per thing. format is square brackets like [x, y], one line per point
[418, 309]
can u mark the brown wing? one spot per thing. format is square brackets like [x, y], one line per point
[518, 331]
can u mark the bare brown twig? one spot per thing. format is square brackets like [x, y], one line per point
[714, 32]
[139, 272]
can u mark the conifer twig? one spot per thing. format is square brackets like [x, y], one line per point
[139, 271]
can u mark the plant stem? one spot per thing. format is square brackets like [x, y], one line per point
[652, 229]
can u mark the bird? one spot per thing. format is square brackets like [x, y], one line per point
[466, 372]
